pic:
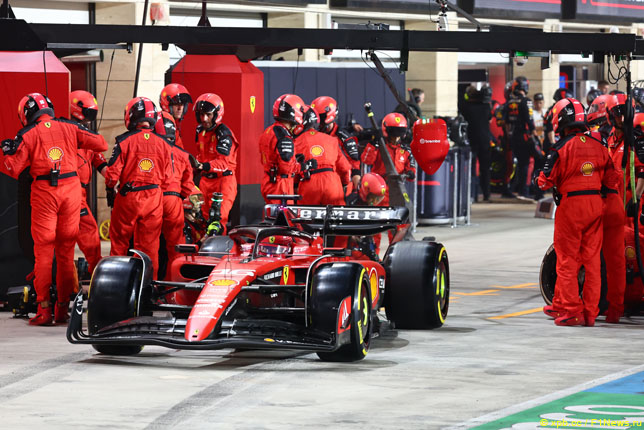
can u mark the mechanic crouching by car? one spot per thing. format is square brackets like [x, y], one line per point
[217, 156]
[140, 164]
[324, 170]
[277, 147]
[175, 190]
[49, 146]
[579, 167]
[84, 108]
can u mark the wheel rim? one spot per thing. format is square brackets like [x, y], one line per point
[364, 312]
[442, 285]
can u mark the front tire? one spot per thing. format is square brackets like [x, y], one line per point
[417, 288]
[113, 297]
[332, 284]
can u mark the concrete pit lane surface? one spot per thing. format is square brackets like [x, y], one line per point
[496, 355]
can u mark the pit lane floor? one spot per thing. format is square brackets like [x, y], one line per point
[496, 351]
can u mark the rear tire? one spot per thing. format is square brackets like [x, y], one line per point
[331, 285]
[417, 288]
[113, 297]
[548, 279]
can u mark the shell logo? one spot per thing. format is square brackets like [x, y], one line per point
[317, 150]
[587, 168]
[55, 153]
[397, 120]
[222, 283]
[366, 184]
[629, 253]
[146, 165]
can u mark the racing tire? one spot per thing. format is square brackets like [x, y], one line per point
[217, 244]
[113, 297]
[548, 279]
[418, 284]
[330, 286]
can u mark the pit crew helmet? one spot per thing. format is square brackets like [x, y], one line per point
[140, 110]
[207, 103]
[568, 113]
[592, 95]
[32, 106]
[616, 106]
[562, 93]
[521, 83]
[275, 246]
[309, 121]
[165, 126]
[289, 108]
[83, 105]
[394, 125]
[174, 94]
[372, 189]
[596, 114]
[326, 108]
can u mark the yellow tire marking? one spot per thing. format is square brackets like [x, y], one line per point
[517, 314]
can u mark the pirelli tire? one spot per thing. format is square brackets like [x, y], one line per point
[548, 278]
[334, 286]
[113, 296]
[418, 284]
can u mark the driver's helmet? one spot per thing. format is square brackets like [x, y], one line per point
[275, 246]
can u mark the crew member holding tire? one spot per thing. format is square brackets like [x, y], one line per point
[84, 109]
[578, 166]
[174, 99]
[277, 147]
[49, 146]
[325, 169]
[326, 109]
[217, 156]
[175, 190]
[140, 164]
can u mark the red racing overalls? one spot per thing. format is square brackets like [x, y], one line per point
[578, 166]
[89, 241]
[50, 145]
[140, 163]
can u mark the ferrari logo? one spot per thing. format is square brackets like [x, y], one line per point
[317, 150]
[252, 104]
[147, 136]
[397, 120]
[271, 239]
[587, 168]
[48, 124]
[55, 153]
[146, 165]
[629, 253]
[285, 274]
[583, 139]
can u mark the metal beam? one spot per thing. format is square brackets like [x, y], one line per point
[249, 43]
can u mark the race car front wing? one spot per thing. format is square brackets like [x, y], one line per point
[169, 332]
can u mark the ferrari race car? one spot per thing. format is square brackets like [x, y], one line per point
[272, 285]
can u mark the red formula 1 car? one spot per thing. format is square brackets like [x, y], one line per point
[274, 285]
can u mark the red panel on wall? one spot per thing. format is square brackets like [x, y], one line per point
[497, 83]
[22, 73]
[241, 87]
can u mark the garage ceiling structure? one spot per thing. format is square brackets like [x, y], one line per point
[252, 43]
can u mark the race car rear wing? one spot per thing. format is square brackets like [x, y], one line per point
[339, 220]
